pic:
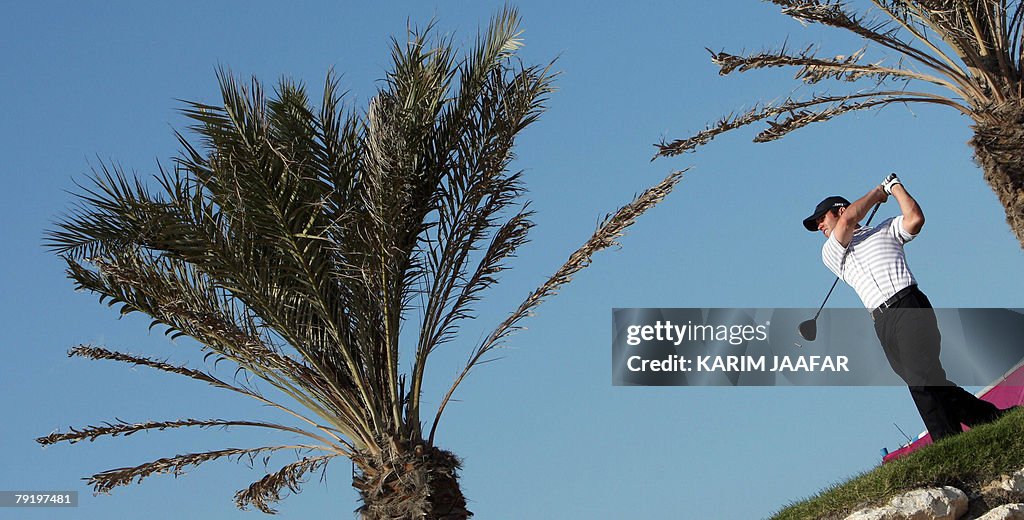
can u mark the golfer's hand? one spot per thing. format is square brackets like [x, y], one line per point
[880, 195]
[889, 182]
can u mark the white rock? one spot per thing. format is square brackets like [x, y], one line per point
[1014, 483]
[878, 513]
[945, 503]
[1006, 512]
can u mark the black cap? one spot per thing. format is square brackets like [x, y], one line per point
[829, 204]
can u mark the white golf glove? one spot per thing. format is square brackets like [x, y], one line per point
[889, 182]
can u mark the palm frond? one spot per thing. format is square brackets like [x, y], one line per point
[106, 481]
[814, 70]
[801, 118]
[91, 433]
[99, 353]
[607, 234]
[757, 113]
[882, 32]
[267, 490]
[475, 197]
[971, 50]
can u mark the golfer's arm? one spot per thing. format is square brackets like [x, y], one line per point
[854, 213]
[913, 217]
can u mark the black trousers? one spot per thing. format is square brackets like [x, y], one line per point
[910, 338]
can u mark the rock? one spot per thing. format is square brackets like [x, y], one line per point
[1005, 512]
[999, 484]
[945, 503]
[1013, 483]
[878, 513]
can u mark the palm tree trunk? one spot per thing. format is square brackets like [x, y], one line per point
[421, 483]
[999, 149]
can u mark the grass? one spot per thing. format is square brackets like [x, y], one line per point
[967, 461]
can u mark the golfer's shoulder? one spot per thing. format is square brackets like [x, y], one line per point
[832, 251]
[893, 228]
[886, 227]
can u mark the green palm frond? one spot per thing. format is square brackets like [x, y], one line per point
[611, 228]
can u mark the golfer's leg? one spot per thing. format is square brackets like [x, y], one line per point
[969, 409]
[921, 330]
[884, 330]
[917, 334]
[917, 337]
[933, 411]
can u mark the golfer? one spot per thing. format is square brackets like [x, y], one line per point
[872, 261]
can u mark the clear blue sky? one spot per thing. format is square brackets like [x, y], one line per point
[542, 432]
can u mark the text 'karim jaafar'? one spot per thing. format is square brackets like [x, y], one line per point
[726, 363]
[702, 334]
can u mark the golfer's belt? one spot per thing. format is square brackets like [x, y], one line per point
[877, 313]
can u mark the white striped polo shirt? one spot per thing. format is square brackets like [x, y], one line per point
[874, 263]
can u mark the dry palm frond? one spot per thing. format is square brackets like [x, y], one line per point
[99, 353]
[972, 49]
[725, 124]
[106, 481]
[771, 110]
[813, 69]
[91, 433]
[91, 352]
[805, 117]
[267, 490]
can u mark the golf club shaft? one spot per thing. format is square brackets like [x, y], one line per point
[826, 298]
[873, 211]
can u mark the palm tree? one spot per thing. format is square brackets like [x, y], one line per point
[294, 244]
[967, 55]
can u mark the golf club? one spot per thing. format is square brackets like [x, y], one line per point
[809, 329]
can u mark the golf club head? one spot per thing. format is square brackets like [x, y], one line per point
[808, 330]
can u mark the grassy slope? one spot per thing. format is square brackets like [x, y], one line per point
[965, 461]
